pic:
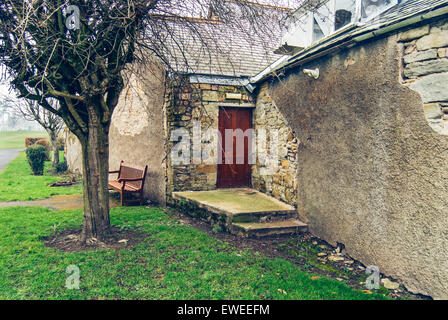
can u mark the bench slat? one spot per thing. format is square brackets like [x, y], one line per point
[129, 172]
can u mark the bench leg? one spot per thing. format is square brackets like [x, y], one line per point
[141, 198]
[122, 198]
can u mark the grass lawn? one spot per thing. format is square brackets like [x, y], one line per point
[16, 139]
[173, 262]
[18, 183]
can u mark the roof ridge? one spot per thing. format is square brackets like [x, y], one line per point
[263, 5]
[186, 18]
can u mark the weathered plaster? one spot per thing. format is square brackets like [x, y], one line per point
[137, 133]
[373, 175]
[73, 152]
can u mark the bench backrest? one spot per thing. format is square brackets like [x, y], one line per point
[133, 172]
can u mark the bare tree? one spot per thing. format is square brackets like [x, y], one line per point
[30, 110]
[76, 51]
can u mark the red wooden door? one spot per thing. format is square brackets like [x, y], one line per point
[234, 168]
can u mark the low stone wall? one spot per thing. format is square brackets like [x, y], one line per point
[425, 70]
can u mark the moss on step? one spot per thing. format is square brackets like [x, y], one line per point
[237, 200]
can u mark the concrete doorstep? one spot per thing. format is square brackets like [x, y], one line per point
[242, 211]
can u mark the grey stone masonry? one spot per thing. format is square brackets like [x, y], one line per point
[425, 70]
[187, 103]
[280, 183]
[420, 56]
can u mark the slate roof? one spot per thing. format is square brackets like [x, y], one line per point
[406, 8]
[211, 47]
[402, 11]
[218, 50]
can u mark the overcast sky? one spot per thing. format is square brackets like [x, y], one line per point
[4, 89]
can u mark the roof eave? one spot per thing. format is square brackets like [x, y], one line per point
[339, 41]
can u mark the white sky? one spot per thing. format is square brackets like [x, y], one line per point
[4, 89]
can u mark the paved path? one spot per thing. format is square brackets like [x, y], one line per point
[7, 155]
[59, 202]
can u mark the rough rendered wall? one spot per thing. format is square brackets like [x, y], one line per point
[373, 174]
[73, 152]
[137, 133]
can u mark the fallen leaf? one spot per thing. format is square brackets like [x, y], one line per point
[321, 254]
[282, 291]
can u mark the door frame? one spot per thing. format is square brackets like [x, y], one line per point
[219, 147]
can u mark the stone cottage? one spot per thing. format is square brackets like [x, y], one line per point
[359, 106]
[207, 85]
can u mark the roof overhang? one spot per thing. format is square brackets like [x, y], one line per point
[222, 80]
[343, 39]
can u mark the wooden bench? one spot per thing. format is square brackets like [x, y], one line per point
[131, 179]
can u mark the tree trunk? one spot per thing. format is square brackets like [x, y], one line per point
[55, 149]
[95, 155]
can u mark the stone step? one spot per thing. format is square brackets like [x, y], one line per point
[241, 205]
[263, 216]
[257, 229]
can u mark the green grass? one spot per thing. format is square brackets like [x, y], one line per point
[18, 183]
[16, 139]
[173, 262]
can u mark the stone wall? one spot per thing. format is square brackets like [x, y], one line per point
[280, 183]
[425, 70]
[373, 174]
[138, 131]
[187, 103]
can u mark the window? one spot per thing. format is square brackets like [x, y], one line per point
[345, 13]
[333, 16]
[323, 20]
[317, 31]
[372, 8]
